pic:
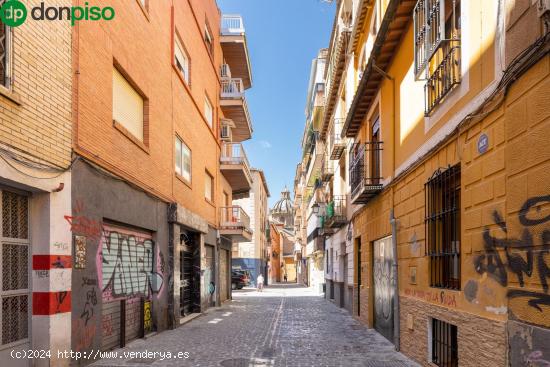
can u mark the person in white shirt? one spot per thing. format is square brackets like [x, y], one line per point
[260, 282]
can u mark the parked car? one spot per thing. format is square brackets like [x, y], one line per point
[239, 279]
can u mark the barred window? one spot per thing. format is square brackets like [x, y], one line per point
[442, 224]
[444, 344]
[14, 267]
[437, 33]
[4, 53]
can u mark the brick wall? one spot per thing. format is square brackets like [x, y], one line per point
[139, 42]
[481, 342]
[35, 115]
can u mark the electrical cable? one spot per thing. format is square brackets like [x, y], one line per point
[59, 171]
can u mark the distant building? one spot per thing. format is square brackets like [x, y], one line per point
[253, 255]
[282, 224]
[308, 183]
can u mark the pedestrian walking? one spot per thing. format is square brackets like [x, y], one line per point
[260, 282]
[285, 278]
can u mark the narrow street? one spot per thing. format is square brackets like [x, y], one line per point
[286, 325]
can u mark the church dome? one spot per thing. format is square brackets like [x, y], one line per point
[284, 204]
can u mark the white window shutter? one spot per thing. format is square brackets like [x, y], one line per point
[127, 105]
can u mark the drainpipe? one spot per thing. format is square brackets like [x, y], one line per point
[396, 318]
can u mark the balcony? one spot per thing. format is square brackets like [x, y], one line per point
[236, 169]
[336, 143]
[235, 108]
[365, 172]
[315, 245]
[235, 49]
[336, 212]
[235, 223]
[337, 62]
[444, 78]
[326, 171]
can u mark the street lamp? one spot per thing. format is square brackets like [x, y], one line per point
[315, 208]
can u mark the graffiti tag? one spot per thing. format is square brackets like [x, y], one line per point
[515, 249]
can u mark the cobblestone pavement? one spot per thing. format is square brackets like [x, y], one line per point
[286, 325]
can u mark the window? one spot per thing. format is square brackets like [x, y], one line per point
[208, 112]
[181, 59]
[127, 105]
[208, 187]
[14, 267]
[208, 39]
[442, 224]
[444, 344]
[4, 54]
[437, 26]
[376, 154]
[183, 159]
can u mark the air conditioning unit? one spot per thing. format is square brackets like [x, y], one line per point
[543, 7]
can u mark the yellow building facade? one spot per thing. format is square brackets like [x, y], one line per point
[446, 121]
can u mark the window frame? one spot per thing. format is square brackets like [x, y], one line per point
[178, 44]
[121, 126]
[208, 39]
[181, 166]
[8, 58]
[443, 227]
[209, 178]
[207, 102]
[443, 343]
[429, 46]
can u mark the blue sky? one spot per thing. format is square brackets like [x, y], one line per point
[283, 38]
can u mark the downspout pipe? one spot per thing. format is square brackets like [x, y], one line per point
[396, 318]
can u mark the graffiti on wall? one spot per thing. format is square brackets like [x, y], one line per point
[83, 225]
[443, 298]
[523, 257]
[126, 262]
[91, 301]
[147, 317]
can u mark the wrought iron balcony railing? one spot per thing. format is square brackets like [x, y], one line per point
[234, 217]
[336, 212]
[443, 79]
[337, 145]
[365, 171]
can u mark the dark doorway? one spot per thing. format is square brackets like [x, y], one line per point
[190, 297]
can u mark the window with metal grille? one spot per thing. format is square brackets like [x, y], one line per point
[442, 223]
[14, 264]
[437, 28]
[444, 344]
[4, 53]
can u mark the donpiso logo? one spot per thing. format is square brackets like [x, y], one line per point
[14, 13]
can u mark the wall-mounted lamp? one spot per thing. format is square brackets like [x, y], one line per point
[315, 208]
